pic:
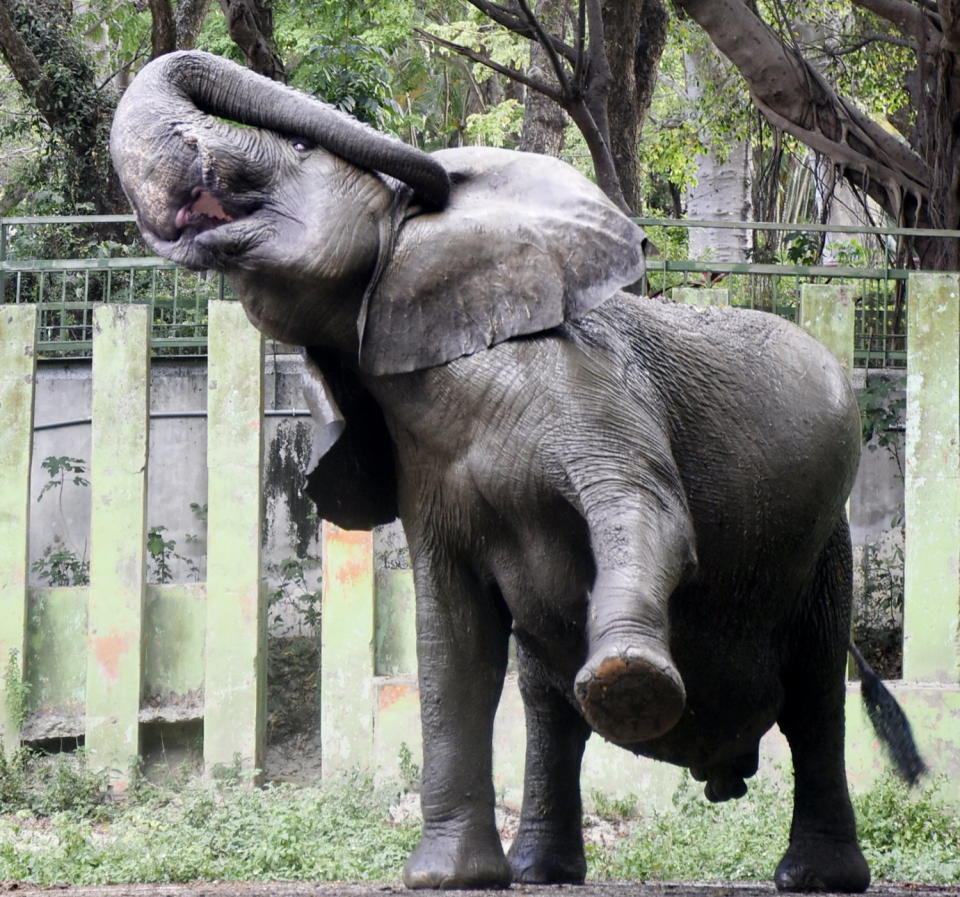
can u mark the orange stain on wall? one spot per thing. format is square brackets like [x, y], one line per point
[109, 650]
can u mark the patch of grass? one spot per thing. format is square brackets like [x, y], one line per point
[39, 785]
[906, 836]
[909, 836]
[216, 830]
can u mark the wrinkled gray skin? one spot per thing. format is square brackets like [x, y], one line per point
[649, 496]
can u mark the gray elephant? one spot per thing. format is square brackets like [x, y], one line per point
[650, 497]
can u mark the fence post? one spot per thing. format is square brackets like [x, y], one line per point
[118, 475]
[347, 650]
[827, 314]
[932, 480]
[701, 297]
[18, 324]
[234, 717]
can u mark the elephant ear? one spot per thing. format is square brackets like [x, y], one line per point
[351, 477]
[525, 243]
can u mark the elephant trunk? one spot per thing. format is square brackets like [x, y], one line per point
[191, 80]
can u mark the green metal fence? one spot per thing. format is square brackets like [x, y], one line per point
[67, 290]
[69, 265]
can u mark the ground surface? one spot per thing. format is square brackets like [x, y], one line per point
[379, 889]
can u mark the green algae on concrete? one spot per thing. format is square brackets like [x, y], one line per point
[234, 712]
[347, 649]
[827, 314]
[118, 476]
[18, 325]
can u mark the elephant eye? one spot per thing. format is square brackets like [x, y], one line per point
[301, 146]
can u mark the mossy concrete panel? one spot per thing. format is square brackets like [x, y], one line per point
[17, 364]
[57, 662]
[347, 650]
[702, 298]
[173, 633]
[118, 463]
[827, 314]
[235, 639]
[932, 481]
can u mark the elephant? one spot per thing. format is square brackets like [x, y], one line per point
[649, 497]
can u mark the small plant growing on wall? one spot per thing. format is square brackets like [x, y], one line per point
[61, 564]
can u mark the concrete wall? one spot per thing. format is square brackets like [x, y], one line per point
[177, 469]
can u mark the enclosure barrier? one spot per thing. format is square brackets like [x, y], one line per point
[105, 659]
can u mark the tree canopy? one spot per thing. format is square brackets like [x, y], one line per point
[866, 89]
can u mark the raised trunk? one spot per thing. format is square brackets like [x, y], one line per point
[219, 87]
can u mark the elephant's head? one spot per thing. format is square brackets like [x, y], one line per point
[314, 216]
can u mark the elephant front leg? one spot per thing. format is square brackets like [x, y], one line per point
[630, 689]
[548, 847]
[462, 635]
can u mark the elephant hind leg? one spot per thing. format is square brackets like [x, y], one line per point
[823, 854]
[548, 847]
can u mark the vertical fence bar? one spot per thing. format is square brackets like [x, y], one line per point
[932, 480]
[18, 325]
[347, 650]
[700, 297]
[234, 721]
[118, 467]
[827, 314]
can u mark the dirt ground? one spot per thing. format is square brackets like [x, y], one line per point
[379, 889]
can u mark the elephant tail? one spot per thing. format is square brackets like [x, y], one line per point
[889, 722]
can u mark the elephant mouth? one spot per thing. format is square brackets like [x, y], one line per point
[202, 212]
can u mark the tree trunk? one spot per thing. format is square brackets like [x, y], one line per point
[57, 77]
[544, 122]
[635, 34]
[722, 191]
[250, 23]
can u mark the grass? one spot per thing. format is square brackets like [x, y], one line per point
[905, 836]
[59, 824]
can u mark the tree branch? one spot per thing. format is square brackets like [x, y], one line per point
[521, 27]
[544, 40]
[950, 19]
[905, 16]
[483, 59]
[795, 97]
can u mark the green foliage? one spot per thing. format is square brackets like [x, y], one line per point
[33, 784]
[905, 835]
[883, 405]
[60, 564]
[697, 840]
[58, 468]
[410, 773]
[909, 835]
[496, 126]
[222, 830]
[16, 690]
[62, 567]
[291, 587]
[614, 809]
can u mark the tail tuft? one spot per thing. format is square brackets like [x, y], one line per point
[889, 722]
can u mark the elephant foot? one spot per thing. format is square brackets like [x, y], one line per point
[629, 693]
[458, 861]
[541, 858]
[821, 864]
